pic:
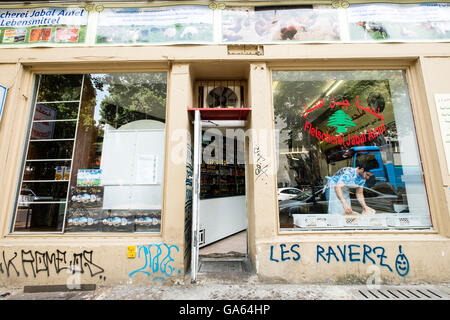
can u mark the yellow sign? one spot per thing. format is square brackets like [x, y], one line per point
[131, 252]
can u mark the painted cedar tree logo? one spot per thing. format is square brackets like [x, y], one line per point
[341, 121]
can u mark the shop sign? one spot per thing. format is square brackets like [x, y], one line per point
[340, 121]
[3, 91]
[43, 26]
[201, 24]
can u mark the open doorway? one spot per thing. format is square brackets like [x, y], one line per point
[223, 206]
[219, 204]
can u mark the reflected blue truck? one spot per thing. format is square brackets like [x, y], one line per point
[382, 171]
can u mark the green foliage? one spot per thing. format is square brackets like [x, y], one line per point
[131, 97]
[60, 87]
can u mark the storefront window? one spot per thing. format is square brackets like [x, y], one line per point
[347, 151]
[95, 154]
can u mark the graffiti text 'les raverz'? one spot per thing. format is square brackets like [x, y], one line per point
[344, 253]
[157, 261]
[36, 262]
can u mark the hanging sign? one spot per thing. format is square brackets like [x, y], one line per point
[3, 91]
[43, 26]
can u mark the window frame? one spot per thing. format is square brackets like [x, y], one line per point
[34, 87]
[414, 82]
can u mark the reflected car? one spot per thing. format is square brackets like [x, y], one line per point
[288, 193]
[28, 195]
[318, 203]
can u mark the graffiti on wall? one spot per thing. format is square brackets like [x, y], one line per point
[364, 253]
[261, 164]
[188, 202]
[31, 263]
[285, 253]
[157, 259]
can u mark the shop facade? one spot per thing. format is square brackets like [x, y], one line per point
[338, 169]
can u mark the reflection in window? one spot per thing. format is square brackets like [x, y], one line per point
[96, 153]
[347, 140]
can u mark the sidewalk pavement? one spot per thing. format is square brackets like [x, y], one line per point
[251, 288]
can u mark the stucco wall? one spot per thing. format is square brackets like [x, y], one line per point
[294, 257]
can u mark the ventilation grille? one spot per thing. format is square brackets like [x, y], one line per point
[401, 293]
[220, 93]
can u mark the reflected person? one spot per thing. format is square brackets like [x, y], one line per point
[338, 187]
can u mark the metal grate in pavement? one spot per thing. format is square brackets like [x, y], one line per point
[401, 293]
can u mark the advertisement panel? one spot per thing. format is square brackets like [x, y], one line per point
[43, 26]
[177, 24]
[399, 22]
[229, 24]
[266, 24]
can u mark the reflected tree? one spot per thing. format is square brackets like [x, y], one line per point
[292, 97]
[131, 96]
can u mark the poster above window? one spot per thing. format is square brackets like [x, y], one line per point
[270, 24]
[177, 24]
[399, 22]
[43, 26]
[168, 24]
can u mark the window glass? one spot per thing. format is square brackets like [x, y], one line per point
[95, 155]
[58, 89]
[348, 138]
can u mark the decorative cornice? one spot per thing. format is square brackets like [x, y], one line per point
[213, 5]
[340, 4]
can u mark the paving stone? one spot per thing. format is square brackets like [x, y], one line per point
[221, 289]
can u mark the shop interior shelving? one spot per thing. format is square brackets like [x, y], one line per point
[222, 179]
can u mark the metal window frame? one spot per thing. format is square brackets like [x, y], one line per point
[318, 230]
[25, 154]
[26, 141]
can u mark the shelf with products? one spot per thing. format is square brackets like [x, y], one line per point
[220, 178]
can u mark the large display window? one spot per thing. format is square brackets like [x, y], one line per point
[95, 155]
[347, 151]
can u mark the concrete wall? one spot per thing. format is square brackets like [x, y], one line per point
[290, 256]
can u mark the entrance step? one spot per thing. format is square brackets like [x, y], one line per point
[228, 255]
[221, 266]
[225, 268]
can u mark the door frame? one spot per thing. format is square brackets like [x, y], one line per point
[197, 151]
